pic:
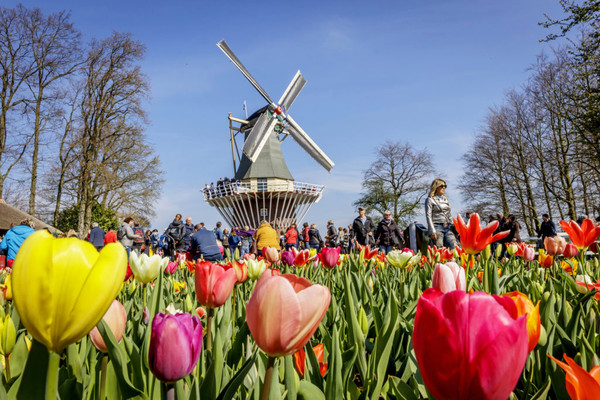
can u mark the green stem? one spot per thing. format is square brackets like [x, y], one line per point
[210, 313]
[52, 376]
[268, 373]
[7, 362]
[144, 295]
[103, 377]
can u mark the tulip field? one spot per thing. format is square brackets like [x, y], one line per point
[459, 324]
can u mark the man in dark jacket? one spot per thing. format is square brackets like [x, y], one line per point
[204, 245]
[97, 236]
[387, 234]
[331, 234]
[176, 230]
[363, 228]
[547, 229]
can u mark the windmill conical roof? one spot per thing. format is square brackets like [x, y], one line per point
[268, 164]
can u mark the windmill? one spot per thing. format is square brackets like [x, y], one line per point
[263, 188]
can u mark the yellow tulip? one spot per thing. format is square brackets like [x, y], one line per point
[7, 288]
[63, 287]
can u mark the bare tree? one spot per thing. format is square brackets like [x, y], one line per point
[56, 53]
[397, 180]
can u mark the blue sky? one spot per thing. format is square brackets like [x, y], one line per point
[419, 71]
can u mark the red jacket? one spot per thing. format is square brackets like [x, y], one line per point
[110, 237]
[291, 235]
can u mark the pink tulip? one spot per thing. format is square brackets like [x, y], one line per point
[171, 268]
[528, 253]
[330, 256]
[284, 312]
[448, 277]
[271, 255]
[570, 251]
[469, 346]
[175, 345]
[555, 245]
[214, 283]
[287, 257]
[115, 318]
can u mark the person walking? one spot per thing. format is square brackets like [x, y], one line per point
[363, 228]
[291, 237]
[387, 234]
[125, 234]
[234, 241]
[331, 234]
[315, 241]
[547, 229]
[97, 236]
[439, 216]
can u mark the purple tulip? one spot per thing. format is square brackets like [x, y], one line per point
[175, 345]
[287, 257]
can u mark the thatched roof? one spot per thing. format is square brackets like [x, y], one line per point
[10, 215]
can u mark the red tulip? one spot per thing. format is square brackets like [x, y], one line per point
[330, 256]
[570, 251]
[300, 360]
[468, 346]
[367, 252]
[473, 239]
[526, 307]
[444, 253]
[301, 257]
[582, 236]
[581, 385]
[448, 277]
[585, 284]
[214, 283]
[115, 318]
[128, 273]
[175, 345]
[555, 245]
[201, 311]
[284, 312]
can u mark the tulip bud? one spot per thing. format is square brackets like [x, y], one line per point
[271, 254]
[370, 283]
[570, 251]
[146, 315]
[498, 251]
[486, 253]
[8, 335]
[175, 345]
[188, 303]
[512, 248]
[363, 321]
[543, 336]
[528, 253]
[115, 318]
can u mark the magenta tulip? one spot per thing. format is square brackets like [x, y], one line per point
[115, 318]
[287, 257]
[468, 346]
[171, 268]
[284, 312]
[214, 283]
[330, 256]
[175, 345]
[448, 277]
[570, 251]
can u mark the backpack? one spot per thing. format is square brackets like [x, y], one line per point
[177, 232]
[138, 231]
[305, 236]
[120, 233]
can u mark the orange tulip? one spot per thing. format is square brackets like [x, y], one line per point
[241, 270]
[581, 236]
[284, 312]
[544, 259]
[300, 357]
[473, 239]
[581, 385]
[525, 307]
[367, 252]
[555, 245]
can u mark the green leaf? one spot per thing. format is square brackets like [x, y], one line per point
[542, 394]
[334, 386]
[33, 380]
[119, 359]
[290, 378]
[308, 391]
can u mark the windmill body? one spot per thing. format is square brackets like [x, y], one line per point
[263, 188]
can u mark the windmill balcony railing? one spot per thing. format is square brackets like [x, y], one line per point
[236, 188]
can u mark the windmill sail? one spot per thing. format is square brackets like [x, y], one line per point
[259, 135]
[308, 145]
[292, 91]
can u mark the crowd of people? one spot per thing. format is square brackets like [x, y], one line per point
[197, 241]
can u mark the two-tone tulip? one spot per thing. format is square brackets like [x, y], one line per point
[300, 360]
[448, 277]
[146, 269]
[524, 306]
[402, 258]
[115, 318]
[284, 312]
[554, 245]
[544, 259]
[468, 346]
[63, 287]
[255, 268]
[214, 284]
[175, 345]
[271, 255]
[240, 268]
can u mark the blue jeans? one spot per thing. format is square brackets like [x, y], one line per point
[445, 236]
[385, 249]
[244, 250]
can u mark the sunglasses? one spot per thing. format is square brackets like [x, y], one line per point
[443, 186]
